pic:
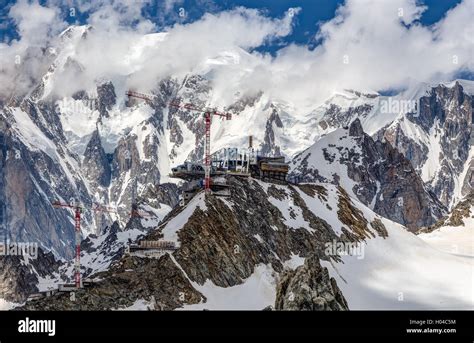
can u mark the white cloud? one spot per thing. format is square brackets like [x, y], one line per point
[382, 41]
[113, 50]
[382, 50]
[23, 61]
[187, 46]
[36, 24]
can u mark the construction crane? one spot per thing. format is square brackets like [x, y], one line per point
[78, 209]
[146, 97]
[136, 213]
[207, 153]
[208, 113]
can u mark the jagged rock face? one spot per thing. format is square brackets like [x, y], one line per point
[19, 274]
[309, 287]
[224, 243]
[88, 248]
[16, 281]
[436, 106]
[402, 196]
[106, 98]
[126, 174]
[3, 199]
[197, 90]
[220, 244]
[354, 219]
[456, 218]
[269, 146]
[32, 178]
[440, 151]
[99, 251]
[45, 117]
[336, 117]
[344, 107]
[96, 164]
[414, 152]
[165, 193]
[35, 177]
[39, 166]
[383, 178]
[246, 101]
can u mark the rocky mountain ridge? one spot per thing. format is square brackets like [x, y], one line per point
[223, 246]
[374, 172]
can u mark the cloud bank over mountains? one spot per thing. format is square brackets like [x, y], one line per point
[368, 45]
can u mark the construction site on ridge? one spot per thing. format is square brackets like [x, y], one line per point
[210, 176]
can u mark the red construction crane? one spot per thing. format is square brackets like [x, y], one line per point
[136, 213]
[207, 116]
[146, 97]
[77, 224]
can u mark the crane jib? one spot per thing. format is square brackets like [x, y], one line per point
[208, 113]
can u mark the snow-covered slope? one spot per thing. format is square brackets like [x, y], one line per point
[403, 272]
[452, 239]
[407, 272]
[455, 233]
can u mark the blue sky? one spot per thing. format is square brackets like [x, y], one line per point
[312, 13]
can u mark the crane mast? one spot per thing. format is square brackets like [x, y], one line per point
[77, 233]
[208, 113]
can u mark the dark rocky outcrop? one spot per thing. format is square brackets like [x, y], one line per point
[158, 281]
[106, 98]
[456, 217]
[245, 101]
[31, 180]
[446, 113]
[219, 244]
[383, 177]
[269, 147]
[309, 287]
[19, 274]
[96, 164]
[402, 196]
[335, 116]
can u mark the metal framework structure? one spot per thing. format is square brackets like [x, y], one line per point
[207, 152]
[146, 97]
[77, 225]
[208, 113]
